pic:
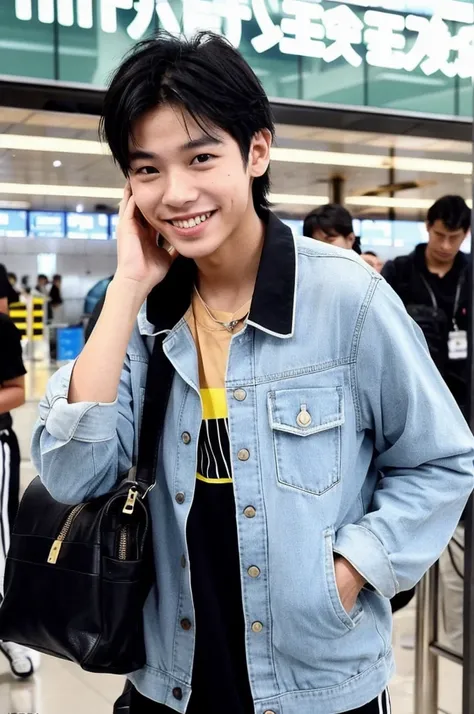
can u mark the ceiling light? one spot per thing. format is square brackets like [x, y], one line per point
[21, 205]
[80, 208]
[51, 143]
[25, 189]
[388, 202]
[295, 200]
[436, 166]
[298, 156]
[57, 164]
[330, 158]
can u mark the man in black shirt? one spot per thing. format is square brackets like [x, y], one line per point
[12, 395]
[433, 284]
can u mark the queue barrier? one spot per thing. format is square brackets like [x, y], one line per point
[29, 318]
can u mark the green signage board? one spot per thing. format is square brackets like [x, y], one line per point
[411, 55]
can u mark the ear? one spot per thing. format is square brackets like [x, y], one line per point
[351, 238]
[259, 154]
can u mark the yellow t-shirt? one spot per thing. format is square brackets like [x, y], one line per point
[212, 344]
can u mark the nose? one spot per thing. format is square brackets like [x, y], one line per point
[179, 190]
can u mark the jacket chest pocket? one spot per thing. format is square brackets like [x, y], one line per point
[306, 427]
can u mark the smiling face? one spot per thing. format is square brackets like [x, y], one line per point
[194, 189]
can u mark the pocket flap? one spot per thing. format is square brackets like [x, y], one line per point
[306, 411]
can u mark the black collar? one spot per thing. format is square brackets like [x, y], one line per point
[273, 302]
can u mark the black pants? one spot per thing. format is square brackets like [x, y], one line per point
[132, 702]
[9, 490]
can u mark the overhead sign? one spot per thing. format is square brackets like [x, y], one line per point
[392, 34]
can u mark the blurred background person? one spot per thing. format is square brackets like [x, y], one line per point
[55, 299]
[373, 260]
[331, 224]
[42, 283]
[434, 286]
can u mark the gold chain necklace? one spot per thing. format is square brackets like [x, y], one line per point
[229, 326]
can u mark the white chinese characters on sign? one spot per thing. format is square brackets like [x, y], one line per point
[305, 28]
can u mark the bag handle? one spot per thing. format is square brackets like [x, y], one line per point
[157, 391]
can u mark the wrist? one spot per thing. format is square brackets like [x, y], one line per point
[129, 288]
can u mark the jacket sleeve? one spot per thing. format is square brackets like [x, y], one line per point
[82, 450]
[424, 451]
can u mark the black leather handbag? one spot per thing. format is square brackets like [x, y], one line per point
[77, 577]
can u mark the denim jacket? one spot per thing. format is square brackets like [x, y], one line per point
[355, 446]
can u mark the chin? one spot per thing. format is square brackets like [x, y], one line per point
[198, 249]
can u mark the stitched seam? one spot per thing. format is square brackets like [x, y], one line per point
[290, 374]
[355, 350]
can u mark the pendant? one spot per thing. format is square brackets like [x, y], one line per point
[230, 326]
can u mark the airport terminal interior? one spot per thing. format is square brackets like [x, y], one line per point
[59, 196]
[306, 160]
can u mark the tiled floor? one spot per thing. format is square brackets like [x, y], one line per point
[63, 688]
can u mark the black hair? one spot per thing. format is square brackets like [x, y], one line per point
[57, 277]
[453, 211]
[332, 219]
[42, 276]
[204, 76]
[370, 252]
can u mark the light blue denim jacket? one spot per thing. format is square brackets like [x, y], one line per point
[379, 473]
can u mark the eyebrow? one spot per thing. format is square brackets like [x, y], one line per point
[189, 146]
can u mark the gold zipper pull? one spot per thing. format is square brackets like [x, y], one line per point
[130, 502]
[54, 552]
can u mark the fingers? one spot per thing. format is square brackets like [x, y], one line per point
[127, 193]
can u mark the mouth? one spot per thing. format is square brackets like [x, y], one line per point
[192, 222]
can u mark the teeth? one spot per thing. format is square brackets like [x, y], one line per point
[192, 222]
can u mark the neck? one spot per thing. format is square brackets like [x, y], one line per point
[436, 266]
[226, 279]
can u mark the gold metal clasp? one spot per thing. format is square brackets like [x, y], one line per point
[54, 552]
[130, 502]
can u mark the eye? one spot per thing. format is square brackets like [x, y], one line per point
[146, 170]
[202, 158]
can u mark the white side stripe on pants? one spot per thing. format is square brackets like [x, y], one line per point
[5, 457]
[384, 703]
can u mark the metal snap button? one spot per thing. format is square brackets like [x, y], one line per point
[269, 712]
[257, 627]
[304, 417]
[178, 693]
[240, 395]
[243, 455]
[186, 437]
[186, 624]
[253, 571]
[250, 512]
[180, 498]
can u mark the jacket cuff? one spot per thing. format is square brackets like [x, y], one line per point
[366, 553]
[83, 421]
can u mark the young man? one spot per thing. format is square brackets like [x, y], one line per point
[433, 283]
[12, 395]
[299, 483]
[331, 224]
